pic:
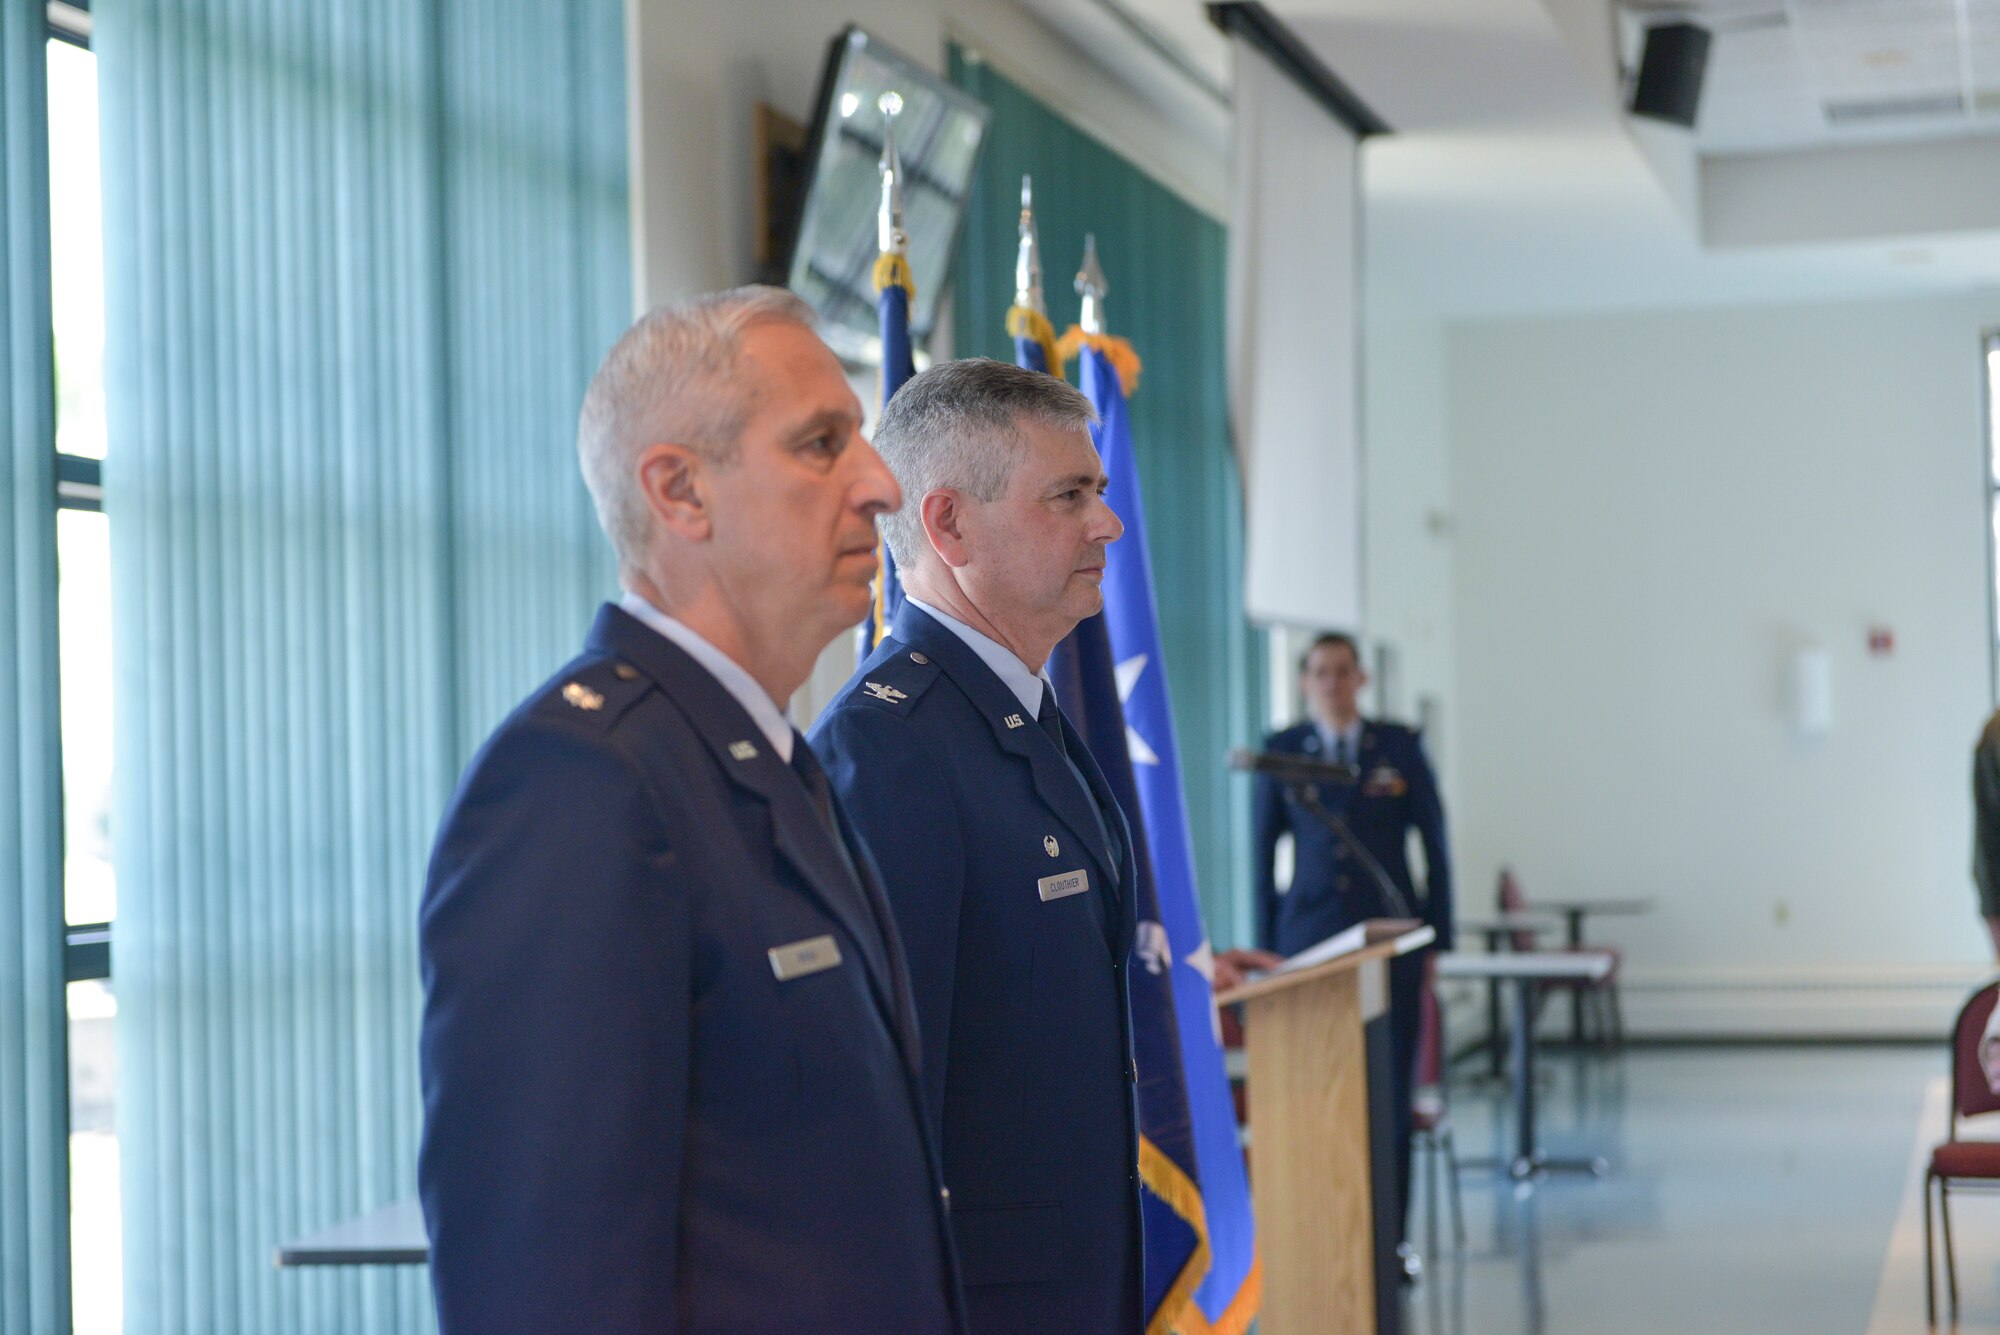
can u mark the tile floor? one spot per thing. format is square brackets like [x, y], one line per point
[1761, 1190]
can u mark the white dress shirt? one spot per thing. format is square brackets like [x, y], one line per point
[756, 701]
[1330, 739]
[1026, 685]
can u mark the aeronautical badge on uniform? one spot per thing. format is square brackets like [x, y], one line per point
[1385, 781]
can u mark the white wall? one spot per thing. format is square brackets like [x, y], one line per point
[1651, 512]
[1407, 559]
[1407, 569]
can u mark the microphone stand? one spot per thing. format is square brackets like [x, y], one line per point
[1306, 794]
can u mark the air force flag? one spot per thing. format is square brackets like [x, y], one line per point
[1229, 1296]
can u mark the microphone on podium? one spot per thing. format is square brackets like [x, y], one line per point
[1288, 768]
[1301, 776]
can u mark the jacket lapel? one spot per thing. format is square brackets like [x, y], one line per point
[745, 757]
[905, 1006]
[1120, 902]
[1055, 784]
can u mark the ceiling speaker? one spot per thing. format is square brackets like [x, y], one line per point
[1670, 70]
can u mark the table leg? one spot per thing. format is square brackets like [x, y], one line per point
[1524, 1079]
[1575, 917]
[1528, 1162]
[1493, 1027]
[1495, 940]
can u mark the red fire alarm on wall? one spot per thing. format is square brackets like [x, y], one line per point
[1881, 641]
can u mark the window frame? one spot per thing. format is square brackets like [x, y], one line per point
[79, 486]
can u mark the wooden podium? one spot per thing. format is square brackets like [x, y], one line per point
[1311, 1184]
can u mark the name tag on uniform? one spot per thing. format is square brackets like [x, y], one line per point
[1064, 884]
[813, 955]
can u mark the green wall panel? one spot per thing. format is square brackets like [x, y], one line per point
[1165, 261]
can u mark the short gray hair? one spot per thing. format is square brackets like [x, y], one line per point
[670, 377]
[956, 426]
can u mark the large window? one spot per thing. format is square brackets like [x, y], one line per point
[83, 559]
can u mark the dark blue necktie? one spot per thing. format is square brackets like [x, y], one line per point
[1050, 718]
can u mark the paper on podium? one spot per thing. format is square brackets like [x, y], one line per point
[1370, 932]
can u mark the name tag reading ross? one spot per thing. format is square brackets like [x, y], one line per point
[1064, 884]
[800, 958]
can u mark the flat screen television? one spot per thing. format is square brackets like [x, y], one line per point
[938, 136]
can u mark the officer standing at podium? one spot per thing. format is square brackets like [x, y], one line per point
[1394, 793]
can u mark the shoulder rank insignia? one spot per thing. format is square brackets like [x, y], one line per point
[1013, 721]
[582, 696]
[743, 750]
[881, 692]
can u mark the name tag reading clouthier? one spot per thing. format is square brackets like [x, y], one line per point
[800, 958]
[1064, 884]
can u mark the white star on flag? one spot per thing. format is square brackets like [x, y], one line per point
[1203, 963]
[1128, 673]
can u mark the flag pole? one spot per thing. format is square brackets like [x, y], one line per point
[895, 289]
[1028, 318]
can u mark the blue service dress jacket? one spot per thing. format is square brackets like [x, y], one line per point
[670, 1065]
[1331, 890]
[1009, 869]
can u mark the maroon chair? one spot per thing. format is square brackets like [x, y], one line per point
[1431, 1126]
[1596, 998]
[1963, 1162]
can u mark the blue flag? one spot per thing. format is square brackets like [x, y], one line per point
[892, 306]
[1173, 951]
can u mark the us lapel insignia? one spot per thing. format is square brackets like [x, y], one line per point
[881, 692]
[1050, 846]
[582, 696]
[1013, 721]
[743, 750]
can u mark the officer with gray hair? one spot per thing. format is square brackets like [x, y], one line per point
[1007, 861]
[670, 1064]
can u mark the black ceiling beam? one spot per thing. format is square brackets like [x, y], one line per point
[1282, 47]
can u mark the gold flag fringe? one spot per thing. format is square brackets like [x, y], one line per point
[1119, 352]
[1030, 324]
[893, 270]
[1166, 1180]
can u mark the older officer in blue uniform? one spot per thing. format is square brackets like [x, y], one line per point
[670, 1064]
[1394, 794]
[1004, 853]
